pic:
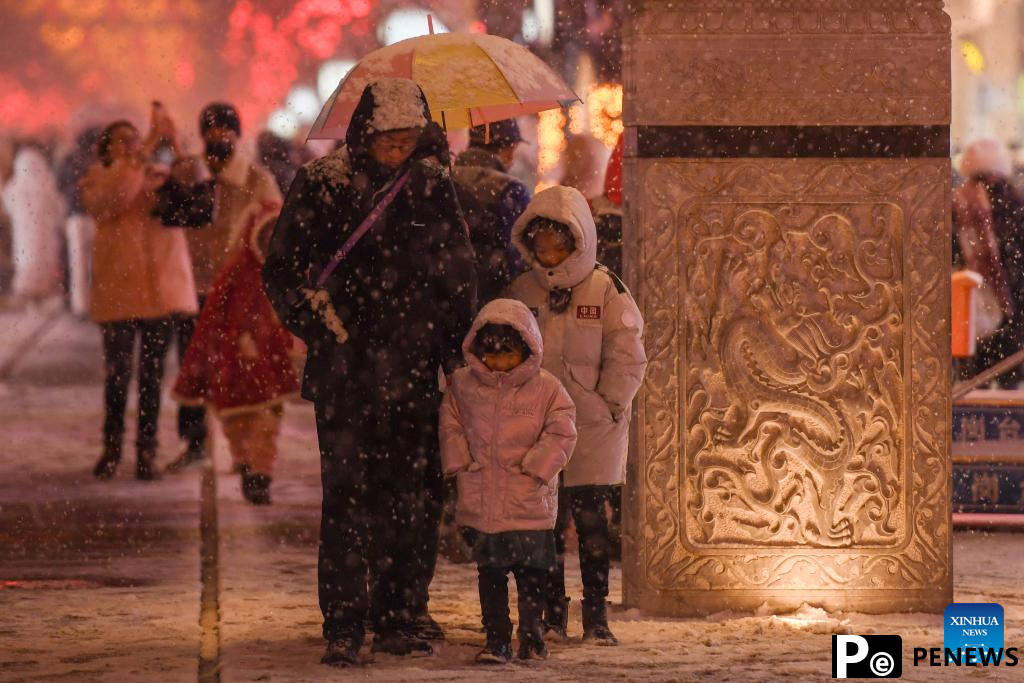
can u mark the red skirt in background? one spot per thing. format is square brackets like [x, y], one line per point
[238, 359]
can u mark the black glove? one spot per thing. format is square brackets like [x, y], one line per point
[182, 205]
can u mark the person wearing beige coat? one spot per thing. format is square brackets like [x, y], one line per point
[593, 336]
[239, 187]
[142, 276]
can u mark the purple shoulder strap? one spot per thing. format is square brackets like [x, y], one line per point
[367, 223]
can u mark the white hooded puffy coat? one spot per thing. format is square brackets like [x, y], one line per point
[501, 431]
[595, 347]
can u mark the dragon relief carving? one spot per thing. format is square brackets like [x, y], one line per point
[793, 338]
[794, 423]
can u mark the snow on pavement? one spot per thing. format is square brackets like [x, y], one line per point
[98, 580]
[111, 589]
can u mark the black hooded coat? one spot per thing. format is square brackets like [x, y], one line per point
[405, 294]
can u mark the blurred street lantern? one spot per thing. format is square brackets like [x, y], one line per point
[304, 102]
[604, 108]
[67, 56]
[330, 75]
[973, 56]
[550, 141]
[284, 123]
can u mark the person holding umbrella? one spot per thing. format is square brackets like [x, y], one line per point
[370, 265]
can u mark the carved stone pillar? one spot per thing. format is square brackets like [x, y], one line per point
[788, 241]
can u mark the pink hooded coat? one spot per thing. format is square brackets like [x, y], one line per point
[502, 431]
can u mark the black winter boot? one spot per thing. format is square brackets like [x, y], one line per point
[531, 644]
[424, 627]
[256, 488]
[556, 621]
[107, 464]
[531, 623]
[342, 652]
[595, 623]
[400, 643]
[495, 652]
[145, 465]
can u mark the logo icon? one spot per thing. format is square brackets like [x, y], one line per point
[974, 628]
[867, 656]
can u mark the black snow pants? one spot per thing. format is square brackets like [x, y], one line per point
[382, 492]
[494, 601]
[586, 504]
[118, 351]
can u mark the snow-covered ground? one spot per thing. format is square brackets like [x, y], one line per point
[107, 574]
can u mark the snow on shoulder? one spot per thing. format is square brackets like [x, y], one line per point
[334, 168]
[397, 104]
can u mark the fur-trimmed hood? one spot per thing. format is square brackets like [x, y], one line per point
[565, 205]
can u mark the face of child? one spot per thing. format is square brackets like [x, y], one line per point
[393, 148]
[504, 360]
[550, 248]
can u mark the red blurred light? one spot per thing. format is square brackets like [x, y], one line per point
[185, 74]
[13, 106]
[240, 16]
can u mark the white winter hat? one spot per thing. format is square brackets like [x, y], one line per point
[987, 156]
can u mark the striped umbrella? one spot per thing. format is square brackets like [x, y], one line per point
[468, 79]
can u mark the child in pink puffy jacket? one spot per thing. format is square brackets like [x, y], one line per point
[507, 430]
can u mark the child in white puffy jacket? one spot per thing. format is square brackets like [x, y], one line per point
[593, 340]
[507, 430]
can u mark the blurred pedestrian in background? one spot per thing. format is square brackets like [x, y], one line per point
[989, 238]
[278, 156]
[607, 210]
[79, 229]
[238, 362]
[142, 276]
[6, 256]
[492, 201]
[36, 209]
[238, 185]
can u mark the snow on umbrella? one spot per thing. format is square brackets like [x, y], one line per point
[468, 79]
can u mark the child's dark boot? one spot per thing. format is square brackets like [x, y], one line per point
[556, 621]
[531, 644]
[595, 623]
